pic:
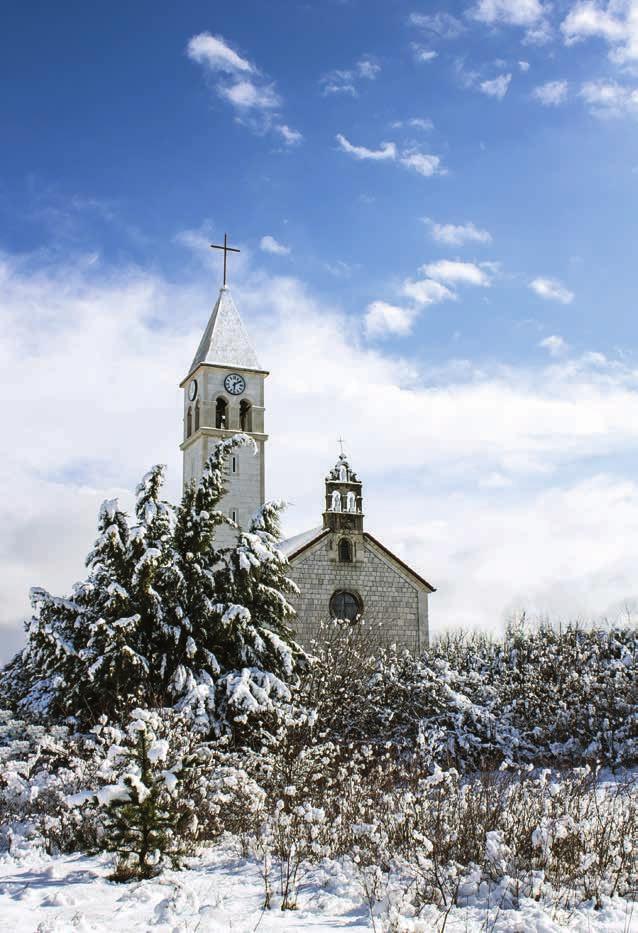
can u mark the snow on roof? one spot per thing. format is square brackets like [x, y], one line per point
[290, 545]
[225, 341]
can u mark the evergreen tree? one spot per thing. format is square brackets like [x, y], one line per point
[166, 616]
[256, 579]
[114, 663]
[143, 821]
[256, 642]
[153, 581]
[199, 567]
[36, 679]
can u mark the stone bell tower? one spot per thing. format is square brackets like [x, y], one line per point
[224, 395]
[343, 514]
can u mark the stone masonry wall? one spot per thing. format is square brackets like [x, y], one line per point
[389, 598]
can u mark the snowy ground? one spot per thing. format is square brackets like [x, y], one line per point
[224, 892]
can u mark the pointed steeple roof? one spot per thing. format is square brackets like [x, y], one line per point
[225, 341]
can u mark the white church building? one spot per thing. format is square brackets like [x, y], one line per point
[342, 571]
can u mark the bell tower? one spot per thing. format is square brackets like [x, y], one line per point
[344, 499]
[224, 395]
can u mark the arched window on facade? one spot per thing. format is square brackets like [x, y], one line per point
[336, 501]
[189, 422]
[343, 474]
[221, 407]
[245, 415]
[345, 551]
[197, 417]
[351, 502]
[346, 606]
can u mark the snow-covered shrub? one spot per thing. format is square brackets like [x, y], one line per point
[567, 695]
[562, 698]
[39, 767]
[365, 692]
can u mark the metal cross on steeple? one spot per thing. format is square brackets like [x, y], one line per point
[341, 442]
[227, 249]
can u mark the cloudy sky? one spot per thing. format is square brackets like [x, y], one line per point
[435, 207]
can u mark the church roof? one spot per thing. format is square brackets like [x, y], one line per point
[225, 341]
[299, 542]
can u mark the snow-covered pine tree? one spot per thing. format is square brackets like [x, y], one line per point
[71, 640]
[154, 580]
[143, 821]
[192, 667]
[165, 616]
[85, 655]
[113, 645]
[257, 646]
[34, 681]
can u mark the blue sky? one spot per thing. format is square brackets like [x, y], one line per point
[107, 107]
[435, 210]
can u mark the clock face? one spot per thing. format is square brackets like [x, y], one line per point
[192, 390]
[234, 384]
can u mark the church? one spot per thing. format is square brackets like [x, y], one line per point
[342, 571]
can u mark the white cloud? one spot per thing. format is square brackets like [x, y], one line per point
[384, 152]
[616, 23]
[457, 234]
[554, 345]
[609, 99]
[510, 12]
[551, 94]
[426, 291]
[440, 278]
[526, 13]
[344, 80]
[467, 78]
[524, 66]
[459, 430]
[423, 54]
[421, 123]
[441, 24]
[290, 137]
[197, 241]
[539, 34]
[268, 244]
[340, 269]
[495, 481]
[454, 272]
[368, 68]
[552, 290]
[496, 87]
[424, 163]
[247, 95]
[418, 123]
[339, 81]
[382, 318]
[216, 54]
[239, 83]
